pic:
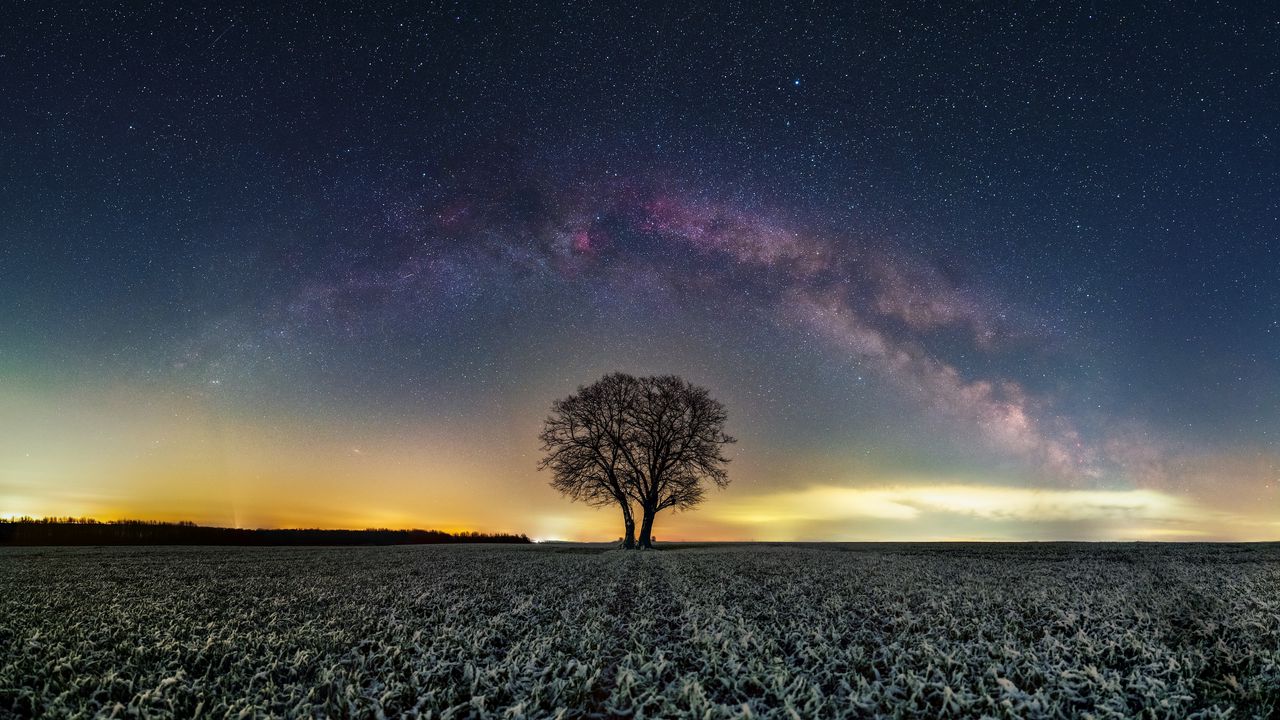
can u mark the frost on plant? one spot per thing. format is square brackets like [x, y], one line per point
[1103, 631]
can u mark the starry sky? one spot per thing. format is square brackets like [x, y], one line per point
[989, 272]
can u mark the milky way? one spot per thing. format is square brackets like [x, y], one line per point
[616, 240]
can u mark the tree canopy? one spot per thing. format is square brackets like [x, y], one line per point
[648, 444]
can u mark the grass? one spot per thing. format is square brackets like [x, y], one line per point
[897, 630]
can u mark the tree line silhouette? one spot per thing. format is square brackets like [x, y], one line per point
[86, 531]
[646, 444]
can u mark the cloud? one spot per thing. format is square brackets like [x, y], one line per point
[826, 503]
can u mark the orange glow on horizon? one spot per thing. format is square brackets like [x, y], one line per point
[116, 454]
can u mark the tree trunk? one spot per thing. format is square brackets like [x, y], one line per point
[646, 529]
[629, 522]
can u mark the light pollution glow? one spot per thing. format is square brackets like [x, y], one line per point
[120, 453]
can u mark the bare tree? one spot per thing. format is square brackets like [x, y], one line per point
[673, 447]
[583, 440]
[654, 441]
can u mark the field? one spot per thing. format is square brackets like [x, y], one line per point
[1169, 631]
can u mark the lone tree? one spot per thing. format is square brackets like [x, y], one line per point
[675, 448]
[654, 441]
[581, 439]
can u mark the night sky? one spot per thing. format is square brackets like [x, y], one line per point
[976, 273]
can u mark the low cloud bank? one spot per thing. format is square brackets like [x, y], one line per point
[958, 511]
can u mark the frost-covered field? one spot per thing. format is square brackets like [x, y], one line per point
[712, 631]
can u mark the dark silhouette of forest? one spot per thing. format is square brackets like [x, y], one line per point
[86, 531]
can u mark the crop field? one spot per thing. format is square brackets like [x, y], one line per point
[1167, 631]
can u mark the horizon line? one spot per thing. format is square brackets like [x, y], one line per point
[84, 520]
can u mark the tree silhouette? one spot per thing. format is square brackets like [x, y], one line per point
[675, 448]
[582, 439]
[656, 441]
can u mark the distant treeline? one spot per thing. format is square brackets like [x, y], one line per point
[85, 531]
